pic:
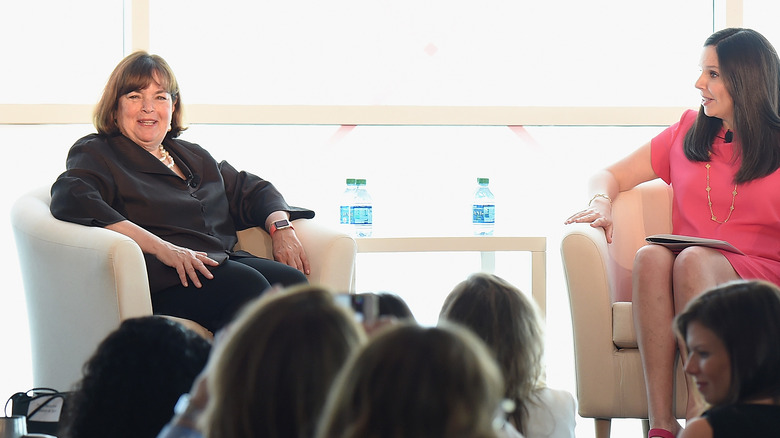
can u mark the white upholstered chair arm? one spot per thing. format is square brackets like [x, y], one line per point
[610, 382]
[331, 253]
[585, 261]
[71, 271]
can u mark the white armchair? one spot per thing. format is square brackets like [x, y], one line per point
[81, 282]
[610, 381]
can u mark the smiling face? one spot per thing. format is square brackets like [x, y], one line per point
[708, 363]
[715, 98]
[144, 115]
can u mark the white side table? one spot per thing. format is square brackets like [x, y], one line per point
[486, 245]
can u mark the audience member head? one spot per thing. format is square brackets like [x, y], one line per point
[391, 305]
[509, 323]
[271, 374]
[416, 382]
[134, 379]
[731, 333]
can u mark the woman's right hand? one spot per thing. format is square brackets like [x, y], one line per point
[627, 173]
[188, 263]
[598, 214]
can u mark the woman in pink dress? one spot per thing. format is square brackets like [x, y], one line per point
[723, 165]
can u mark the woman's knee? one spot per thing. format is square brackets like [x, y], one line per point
[697, 259]
[275, 272]
[653, 258]
[285, 275]
[237, 276]
[697, 268]
[652, 272]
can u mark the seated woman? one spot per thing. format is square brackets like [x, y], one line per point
[272, 368]
[180, 205]
[723, 162]
[731, 336]
[508, 322]
[416, 382]
[131, 382]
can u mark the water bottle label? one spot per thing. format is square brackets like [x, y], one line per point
[344, 215]
[484, 214]
[362, 215]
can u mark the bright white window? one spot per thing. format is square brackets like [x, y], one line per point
[437, 52]
[761, 15]
[58, 51]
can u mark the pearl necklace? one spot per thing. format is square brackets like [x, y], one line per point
[709, 200]
[165, 156]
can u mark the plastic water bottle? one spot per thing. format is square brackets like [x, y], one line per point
[483, 209]
[345, 206]
[362, 210]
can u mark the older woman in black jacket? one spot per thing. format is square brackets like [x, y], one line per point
[179, 204]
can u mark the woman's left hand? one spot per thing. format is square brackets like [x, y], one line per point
[289, 250]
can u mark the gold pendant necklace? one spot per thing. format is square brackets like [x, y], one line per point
[709, 200]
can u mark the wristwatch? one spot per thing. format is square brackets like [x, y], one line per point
[279, 225]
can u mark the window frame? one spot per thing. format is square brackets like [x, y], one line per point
[726, 13]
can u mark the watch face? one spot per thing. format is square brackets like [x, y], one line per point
[282, 224]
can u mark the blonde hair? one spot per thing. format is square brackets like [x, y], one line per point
[416, 382]
[271, 376]
[135, 72]
[509, 323]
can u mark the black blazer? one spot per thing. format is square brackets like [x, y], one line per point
[111, 179]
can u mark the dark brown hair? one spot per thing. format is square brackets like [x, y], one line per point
[136, 72]
[750, 69]
[141, 367]
[745, 316]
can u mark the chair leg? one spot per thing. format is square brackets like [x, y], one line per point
[603, 427]
[645, 427]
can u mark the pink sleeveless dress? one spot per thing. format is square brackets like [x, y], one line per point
[754, 225]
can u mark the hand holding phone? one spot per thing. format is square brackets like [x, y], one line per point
[365, 306]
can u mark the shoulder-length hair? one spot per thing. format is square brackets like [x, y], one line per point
[509, 323]
[750, 69]
[272, 375]
[416, 382]
[135, 72]
[745, 316]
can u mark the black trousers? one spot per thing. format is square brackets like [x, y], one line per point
[236, 282]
